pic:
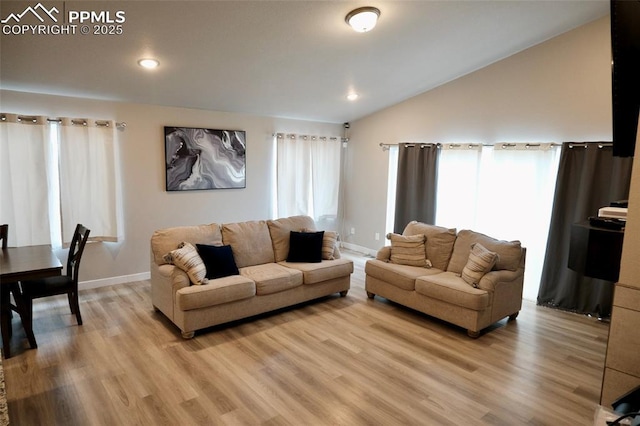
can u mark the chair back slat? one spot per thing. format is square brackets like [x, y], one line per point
[4, 235]
[78, 242]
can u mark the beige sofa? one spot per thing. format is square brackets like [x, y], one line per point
[440, 291]
[266, 281]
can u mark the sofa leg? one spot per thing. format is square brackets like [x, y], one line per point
[370, 295]
[473, 334]
[512, 317]
[343, 293]
[188, 334]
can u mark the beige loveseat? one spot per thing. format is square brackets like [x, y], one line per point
[440, 290]
[266, 281]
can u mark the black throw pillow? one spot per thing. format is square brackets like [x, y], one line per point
[305, 247]
[218, 260]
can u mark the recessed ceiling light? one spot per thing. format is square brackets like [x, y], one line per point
[148, 63]
[352, 96]
[363, 19]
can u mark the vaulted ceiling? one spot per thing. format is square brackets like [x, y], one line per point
[294, 59]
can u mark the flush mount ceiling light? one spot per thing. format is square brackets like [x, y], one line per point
[352, 96]
[363, 19]
[148, 63]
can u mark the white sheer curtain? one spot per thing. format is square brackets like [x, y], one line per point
[458, 185]
[88, 178]
[325, 165]
[25, 166]
[505, 191]
[308, 176]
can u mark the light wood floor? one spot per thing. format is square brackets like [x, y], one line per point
[338, 361]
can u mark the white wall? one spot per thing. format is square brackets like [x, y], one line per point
[147, 206]
[557, 91]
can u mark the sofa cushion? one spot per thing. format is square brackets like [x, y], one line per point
[280, 230]
[250, 242]
[305, 246]
[439, 243]
[450, 288]
[480, 262]
[319, 272]
[218, 260]
[408, 250]
[272, 277]
[165, 240]
[217, 292]
[401, 276]
[187, 258]
[509, 252]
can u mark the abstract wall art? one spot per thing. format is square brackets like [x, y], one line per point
[199, 158]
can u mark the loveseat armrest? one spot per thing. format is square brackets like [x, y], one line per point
[384, 254]
[491, 280]
[505, 288]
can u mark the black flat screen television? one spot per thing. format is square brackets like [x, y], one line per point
[625, 49]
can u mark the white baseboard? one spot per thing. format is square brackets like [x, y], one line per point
[86, 285]
[359, 249]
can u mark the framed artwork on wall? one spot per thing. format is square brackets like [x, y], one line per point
[199, 158]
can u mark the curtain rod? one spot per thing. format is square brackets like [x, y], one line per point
[84, 122]
[585, 144]
[386, 146]
[470, 144]
[312, 137]
[74, 121]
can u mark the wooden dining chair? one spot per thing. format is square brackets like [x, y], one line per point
[4, 235]
[62, 284]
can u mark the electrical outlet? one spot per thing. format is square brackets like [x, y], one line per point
[353, 231]
[377, 236]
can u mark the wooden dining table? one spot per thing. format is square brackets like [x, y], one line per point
[19, 264]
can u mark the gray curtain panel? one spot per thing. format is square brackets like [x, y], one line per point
[588, 178]
[416, 184]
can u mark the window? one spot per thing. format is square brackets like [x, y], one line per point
[308, 176]
[505, 191]
[55, 174]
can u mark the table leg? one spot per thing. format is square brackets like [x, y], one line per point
[5, 319]
[26, 315]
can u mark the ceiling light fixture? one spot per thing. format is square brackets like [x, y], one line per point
[148, 63]
[363, 19]
[352, 96]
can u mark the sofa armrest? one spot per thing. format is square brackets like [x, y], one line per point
[384, 254]
[166, 280]
[179, 279]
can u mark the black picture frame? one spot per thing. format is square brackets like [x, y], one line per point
[198, 158]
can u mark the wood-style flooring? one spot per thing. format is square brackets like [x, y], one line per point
[337, 361]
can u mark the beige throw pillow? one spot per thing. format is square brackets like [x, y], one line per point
[479, 263]
[408, 250]
[186, 257]
[329, 242]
